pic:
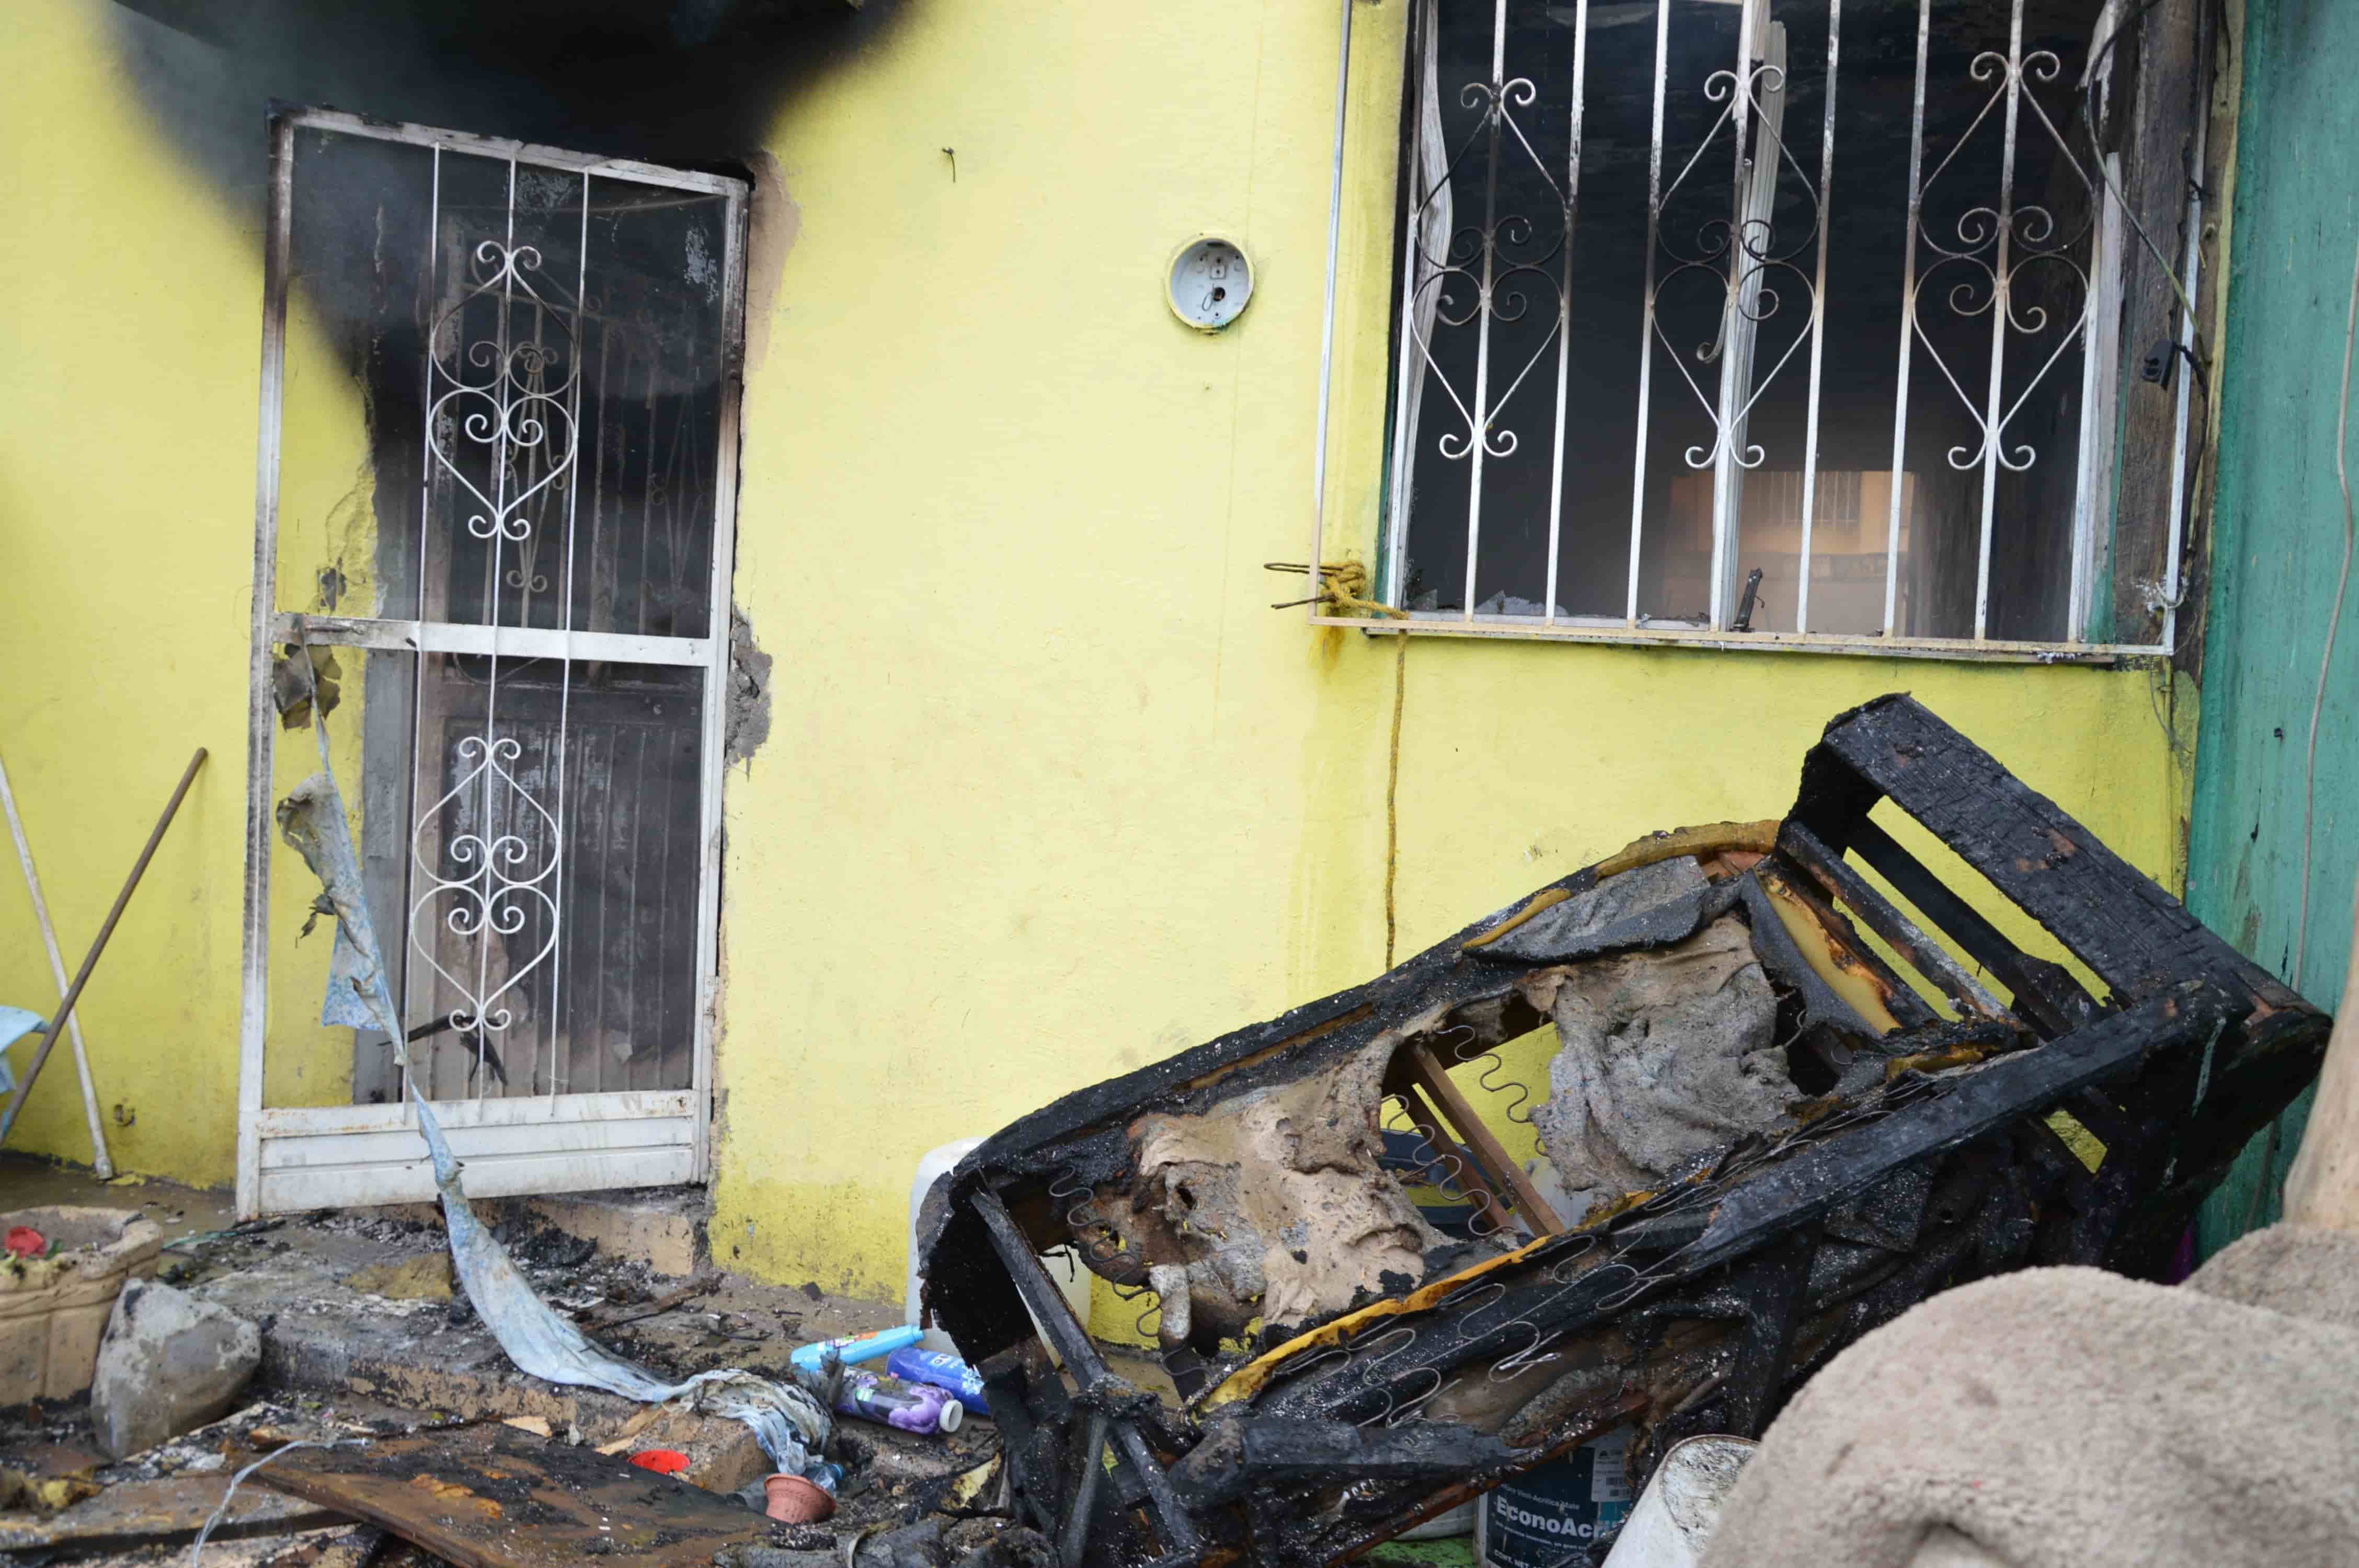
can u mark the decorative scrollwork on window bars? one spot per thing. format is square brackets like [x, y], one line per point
[2035, 272]
[1739, 253]
[501, 402]
[1997, 247]
[1750, 265]
[1479, 274]
[1486, 260]
[523, 422]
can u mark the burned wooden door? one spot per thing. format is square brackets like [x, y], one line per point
[530, 721]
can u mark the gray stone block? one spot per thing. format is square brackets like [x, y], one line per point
[170, 1363]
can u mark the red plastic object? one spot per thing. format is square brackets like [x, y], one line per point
[24, 1242]
[662, 1461]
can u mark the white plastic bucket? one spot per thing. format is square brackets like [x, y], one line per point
[1676, 1514]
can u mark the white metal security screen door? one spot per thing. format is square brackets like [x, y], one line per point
[531, 359]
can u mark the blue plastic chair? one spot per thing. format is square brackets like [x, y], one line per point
[15, 1024]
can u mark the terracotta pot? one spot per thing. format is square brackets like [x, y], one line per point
[794, 1500]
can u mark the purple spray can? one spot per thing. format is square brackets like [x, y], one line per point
[912, 1407]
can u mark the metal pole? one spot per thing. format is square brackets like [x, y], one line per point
[1326, 321]
[65, 1008]
[100, 1160]
[1479, 422]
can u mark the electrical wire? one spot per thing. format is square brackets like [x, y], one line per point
[196, 1547]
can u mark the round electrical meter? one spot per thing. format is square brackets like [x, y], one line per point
[1210, 284]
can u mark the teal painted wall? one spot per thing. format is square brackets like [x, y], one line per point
[2277, 542]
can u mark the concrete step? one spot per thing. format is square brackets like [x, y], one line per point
[662, 1229]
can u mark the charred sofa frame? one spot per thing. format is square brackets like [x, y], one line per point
[2045, 1125]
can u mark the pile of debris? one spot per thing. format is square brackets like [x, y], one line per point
[1391, 1257]
[349, 1484]
[336, 1354]
[509, 1490]
[1764, 1132]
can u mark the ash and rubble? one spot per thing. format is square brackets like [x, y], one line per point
[342, 1361]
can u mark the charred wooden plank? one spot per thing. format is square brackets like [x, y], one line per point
[2046, 991]
[1930, 958]
[1254, 1452]
[1797, 1191]
[2134, 935]
[1764, 1296]
[1030, 1406]
[1771, 1284]
[495, 1497]
[1497, 1165]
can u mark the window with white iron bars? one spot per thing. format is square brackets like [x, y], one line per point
[1861, 325]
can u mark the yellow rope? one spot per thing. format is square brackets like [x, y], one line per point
[1342, 589]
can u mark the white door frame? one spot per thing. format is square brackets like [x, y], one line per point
[312, 1157]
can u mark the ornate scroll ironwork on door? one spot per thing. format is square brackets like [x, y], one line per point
[507, 399]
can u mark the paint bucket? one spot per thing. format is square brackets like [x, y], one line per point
[1539, 1518]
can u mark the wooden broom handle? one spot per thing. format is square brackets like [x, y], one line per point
[2322, 1188]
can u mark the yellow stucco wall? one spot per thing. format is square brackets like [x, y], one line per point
[1051, 791]
[126, 480]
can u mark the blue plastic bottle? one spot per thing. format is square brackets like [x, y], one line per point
[855, 1347]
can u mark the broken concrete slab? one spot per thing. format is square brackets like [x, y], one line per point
[170, 1362]
[662, 1228]
[54, 1306]
[723, 1455]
